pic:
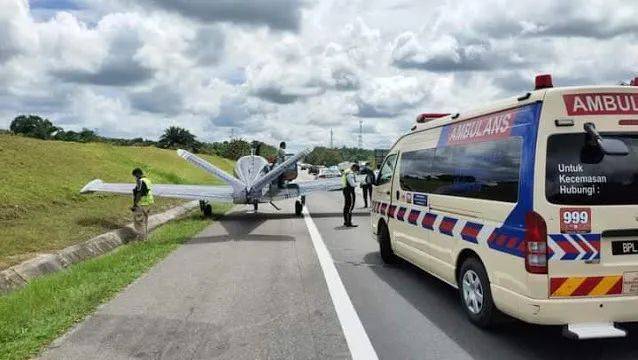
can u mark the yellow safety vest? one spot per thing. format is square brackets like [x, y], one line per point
[344, 178]
[147, 199]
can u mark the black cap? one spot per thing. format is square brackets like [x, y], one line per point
[137, 172]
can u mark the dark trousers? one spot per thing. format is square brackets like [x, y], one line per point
[367, 192]
[348, 204]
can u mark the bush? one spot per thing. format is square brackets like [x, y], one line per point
[33, 126]
[84, 136]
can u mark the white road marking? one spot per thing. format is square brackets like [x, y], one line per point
[356, 336]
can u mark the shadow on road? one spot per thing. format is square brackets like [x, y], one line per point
[239, 226]
[510, 339]
[243, 237]
[246, 216]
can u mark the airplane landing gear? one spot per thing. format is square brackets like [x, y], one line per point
[206, 208]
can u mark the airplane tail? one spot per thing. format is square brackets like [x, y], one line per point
[278, 170]
[212, 169]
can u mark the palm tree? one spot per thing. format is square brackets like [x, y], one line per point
[175, 137]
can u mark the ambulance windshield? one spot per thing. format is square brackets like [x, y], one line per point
[580, 174]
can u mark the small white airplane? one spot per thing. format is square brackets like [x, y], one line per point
[254, 182]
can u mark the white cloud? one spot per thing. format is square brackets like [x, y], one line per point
[292, 70]
[388, 97]
[15, 25]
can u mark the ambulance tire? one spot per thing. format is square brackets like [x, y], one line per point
[208, 210]
[298, 208]
[472, 269]
[385, 246]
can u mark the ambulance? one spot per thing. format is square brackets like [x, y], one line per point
[528, 206]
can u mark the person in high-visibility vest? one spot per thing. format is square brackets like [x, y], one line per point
[349, 183]
[142, 201]
[281, 157]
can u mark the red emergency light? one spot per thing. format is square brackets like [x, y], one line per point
[543, 82]
[425, 117]
[634, 82]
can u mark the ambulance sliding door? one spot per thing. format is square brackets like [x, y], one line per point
[410, 203]
[382, 190]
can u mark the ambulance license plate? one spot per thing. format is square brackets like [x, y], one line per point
[630, 283]
[625, 247]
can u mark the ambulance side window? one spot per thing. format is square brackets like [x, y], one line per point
[387, 170]
[416, 170]
[486, 170]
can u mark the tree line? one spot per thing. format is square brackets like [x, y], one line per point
[173, 137]
[176, 137]
[332, 156]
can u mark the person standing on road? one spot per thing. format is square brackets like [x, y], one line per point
[349, 183]
[366, 186]
[281, 153]
[281, 157]
[142, 201]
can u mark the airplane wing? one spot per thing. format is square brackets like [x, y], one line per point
[278, 170]
[309, 186]
[190, 192]
[212, 169]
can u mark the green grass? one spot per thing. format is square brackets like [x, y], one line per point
[41, 209]
[32, 317]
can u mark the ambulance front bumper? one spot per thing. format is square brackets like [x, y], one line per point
[566, 311]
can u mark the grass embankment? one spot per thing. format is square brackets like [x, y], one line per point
[32, 317]
[41, 209]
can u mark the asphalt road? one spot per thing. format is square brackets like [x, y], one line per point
[251, 287]
[409, 314]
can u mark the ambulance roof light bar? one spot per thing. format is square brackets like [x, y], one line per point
[425, 117]
[543, 81]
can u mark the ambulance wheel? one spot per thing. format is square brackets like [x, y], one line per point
[208, 210]
[475, 294]
[385, 246]
[298, 208]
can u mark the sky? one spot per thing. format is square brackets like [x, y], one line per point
[292, 70]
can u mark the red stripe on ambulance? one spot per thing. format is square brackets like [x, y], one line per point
[601, 104]
[587, 286]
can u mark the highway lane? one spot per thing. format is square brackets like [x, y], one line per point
[248, 287]
[251, 287]
[409, 314]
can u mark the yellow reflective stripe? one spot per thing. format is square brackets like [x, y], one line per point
[569, 286]
[604, 285]
[147, 199]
